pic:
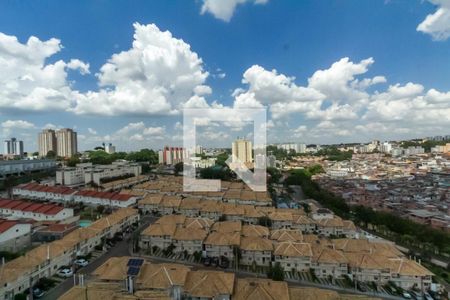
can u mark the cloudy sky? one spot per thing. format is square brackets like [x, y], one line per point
[123, 71]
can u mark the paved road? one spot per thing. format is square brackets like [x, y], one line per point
[120, 249]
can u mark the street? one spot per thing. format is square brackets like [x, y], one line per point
[122, 248]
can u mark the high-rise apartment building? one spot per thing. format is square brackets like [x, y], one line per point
[13, 147]
[242, 150]
[109, 148]
[172, 155]
[47, 142]
[66, 142]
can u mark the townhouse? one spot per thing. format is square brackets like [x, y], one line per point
[189, 239]
[44, 261]
[256, 251]
[205, 284]
[327, 261]
[18, 209]
[14, 236]
[281, 219]
[303, 223]
[293, 255]
[261, 289]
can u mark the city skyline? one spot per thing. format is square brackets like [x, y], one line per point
[324, 80]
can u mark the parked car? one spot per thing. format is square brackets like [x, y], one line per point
[407, 295]
[81, 262]
[65, 272]
[38, 293]
[428, 296]
[207, 261]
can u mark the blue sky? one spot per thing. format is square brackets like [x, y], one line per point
[406, 40]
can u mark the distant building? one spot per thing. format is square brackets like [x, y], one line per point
[297, 148]
[66, 142]
[47, 142]
[18, 167]
[86, 173]
[242, 150]
[109, 148]
[172, 155]
[13, 147]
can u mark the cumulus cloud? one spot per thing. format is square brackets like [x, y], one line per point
[158, 75]
[437, 24]
[17, 124]
[224, 10]
[28, 82]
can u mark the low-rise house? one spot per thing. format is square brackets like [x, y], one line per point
[159, 235]
[14, 236]
[251, 215]
[233, 212]
[256, 250]
[211, 209]
[219, 244]
[281, 219]
[330, 226]
[328, 262]
[150, 203]
[189, 239]
[169, 204]
[15, 209]
[190, 207]
[227, 227]
[293, 255]
[209, 285]
[349, 229]
[303, 223]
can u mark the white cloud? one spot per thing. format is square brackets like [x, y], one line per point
[158, 75]
[17, 124]
[92, 131]
[27, 81]
[224, 9]
[437, 24]
[76, 64]
[154, 131]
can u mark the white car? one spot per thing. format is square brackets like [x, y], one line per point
[66, 272]
[407, 295]
[81, 262]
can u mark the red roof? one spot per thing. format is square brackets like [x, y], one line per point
[104, 195]
[47, 209]
[46, 189]
[6, 224]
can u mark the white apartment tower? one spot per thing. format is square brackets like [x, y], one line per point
[13, 147]
[66, 142]
[47, 142]
[241, 149]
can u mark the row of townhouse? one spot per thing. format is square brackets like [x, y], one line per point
[176, 281]
[65, 194]
[14, 235]
[17, 275]
[248, 214]
[289, 247]
[18, 209]
[231, 192]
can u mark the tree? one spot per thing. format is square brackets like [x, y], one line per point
[51, 154]
[265, 221]
[100, 209]
[276, 272]
[221, 159]
[36, 153]
[73, 161]
[178, 168]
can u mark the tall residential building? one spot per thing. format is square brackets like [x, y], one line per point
[297, 148]
[172, 155]
[66, 142]
[13, 147]
[47, 142]
[242, 150]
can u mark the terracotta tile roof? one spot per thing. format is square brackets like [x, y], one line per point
[115, 268]
[189, 234]
[6, 225]
[209, 284]
[162, 276]
[256, 244]
[283, 235]
[293, 249]
[255, 231]
[159, 230]
[260, 289]
[227, 226]
[223, 239]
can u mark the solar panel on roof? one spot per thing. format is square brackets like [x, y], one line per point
[133, 271]
[135, 262]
